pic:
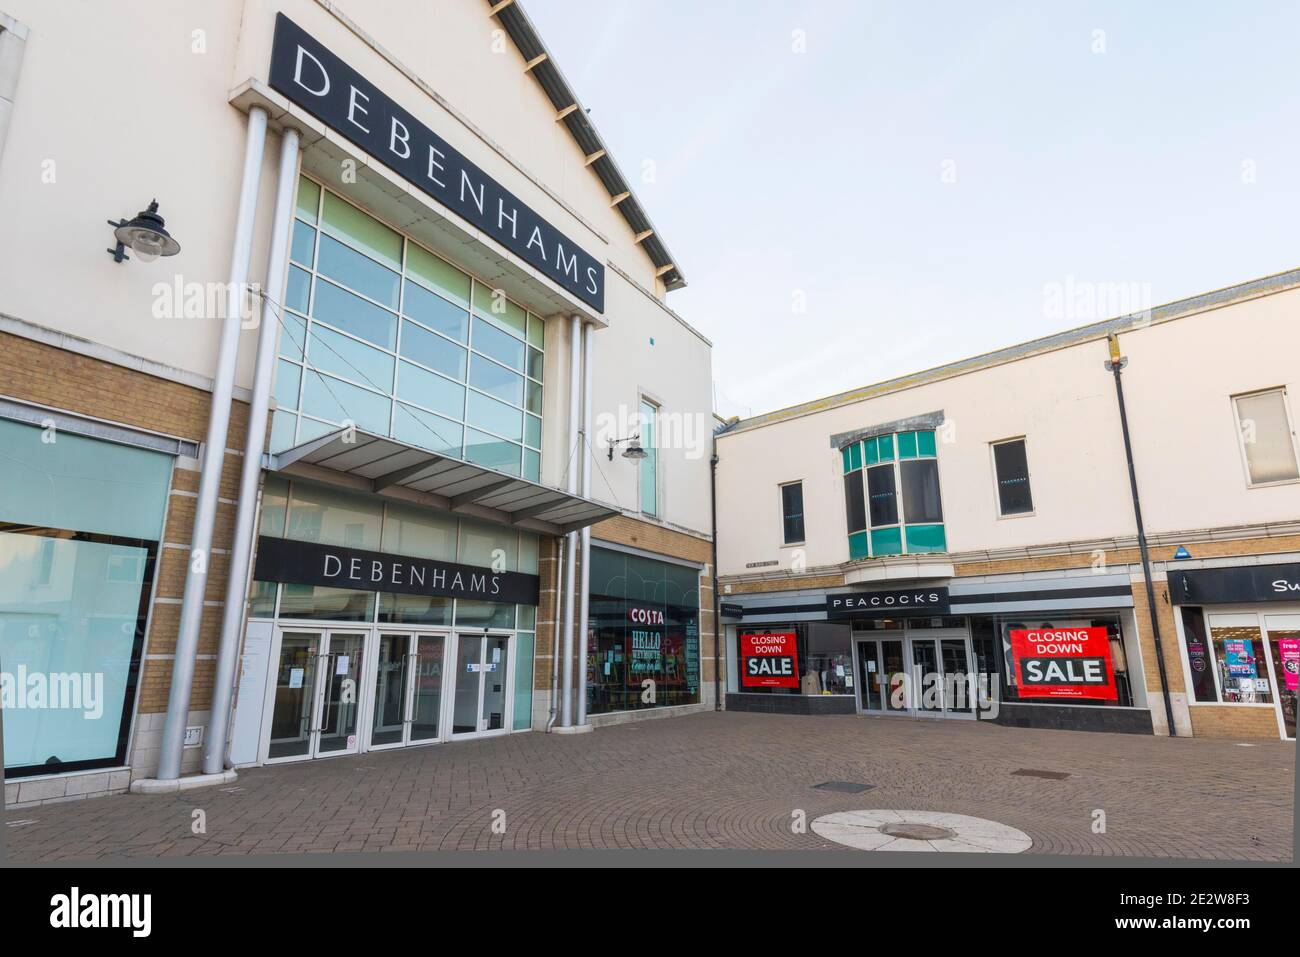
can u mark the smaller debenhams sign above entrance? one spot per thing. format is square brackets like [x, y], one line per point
[308, 563]
[337, 95]
[885, 604]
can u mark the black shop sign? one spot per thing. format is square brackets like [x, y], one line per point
[1230, 586]
[314, 78]
[888, 604]
[309, 563]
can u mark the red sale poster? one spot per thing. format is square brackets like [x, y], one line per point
[769, 660]
[1063, 663]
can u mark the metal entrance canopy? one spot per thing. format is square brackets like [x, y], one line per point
[371, 463]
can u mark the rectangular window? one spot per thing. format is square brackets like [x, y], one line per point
[649, 464]
[1011, 471]
[882, 496]
[1266, 437]
[921, 491]
[792, 513]
[377, 317]
[854, 504]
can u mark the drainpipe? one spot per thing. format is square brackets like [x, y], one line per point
[717, 599]
[241, 550]
[570, 570]
[555, 635]
[584, 598]
[1115, 365]
[214, 453]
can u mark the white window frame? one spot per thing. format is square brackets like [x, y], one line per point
[780, 494]
[643, 400]
[1241, 439]
[896, 463]
[1029, 477]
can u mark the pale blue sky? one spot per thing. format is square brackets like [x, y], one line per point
[1163, 167]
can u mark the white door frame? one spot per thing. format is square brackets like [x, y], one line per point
[412, 634]
[449, 700]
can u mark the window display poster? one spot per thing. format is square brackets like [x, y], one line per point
[1063, 663]
[1288, 650]
[769, 660]
[1239, 656]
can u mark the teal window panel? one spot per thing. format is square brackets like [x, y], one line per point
[334, 352]
[340, 401]
[427, 430]
[846, 456]
[873, 451]
[493, 379]
[293, 336]
[435, 312]
[887, 541]
[532, 465]
[288, 379]
[355, 315]
[495, 344]
[523, 716]
[533, 431]
[492, 452]
[433, 351]
[858, 546]
[358, 272]
[493, 416]
[855, 454]
[431, 391]
[926, 538]
[907, 445]
[297, 293]
[925, 443]
[886, 445]
[304, 244]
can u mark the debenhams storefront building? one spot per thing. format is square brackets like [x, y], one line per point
[400, 566]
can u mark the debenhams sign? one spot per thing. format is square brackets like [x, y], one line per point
[308, 563]
[337, 95]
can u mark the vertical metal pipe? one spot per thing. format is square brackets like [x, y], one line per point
[1116, 365]
[555, 637]
[584, 597]
[717, 601]
[214, 454]
[570, 570]
[232, 624]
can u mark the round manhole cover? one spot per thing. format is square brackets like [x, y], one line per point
[890, 830]
[917, 832]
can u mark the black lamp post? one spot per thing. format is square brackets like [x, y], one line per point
[146, 234]
[633, 450]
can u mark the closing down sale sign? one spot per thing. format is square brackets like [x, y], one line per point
[769, 661]
[1063, 663]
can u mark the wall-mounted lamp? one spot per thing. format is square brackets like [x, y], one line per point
[633, 450]
[146, 234]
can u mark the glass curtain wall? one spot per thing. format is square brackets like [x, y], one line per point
[379, 332]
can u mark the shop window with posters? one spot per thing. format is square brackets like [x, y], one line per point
[1061, 659]
[807, 658]
[644, 647]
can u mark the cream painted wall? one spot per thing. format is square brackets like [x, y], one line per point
[1179, 380]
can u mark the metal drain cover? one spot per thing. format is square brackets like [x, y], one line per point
[917, 832]
[1033, 773]
[844, 787]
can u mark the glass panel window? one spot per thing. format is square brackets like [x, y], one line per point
[440, 276]
[288, 379]
[334, 352]
[492, 452]
[303, 249]
[532, 465]
[362, 231]
[488, 546]
[284, 429]
[403, 609]
[1239, 659]
[1267, 437]
[419, 532]
[499, 310]
[855, 507]
[494, 343]
[297, 294]
[422, 387]
[494, 416]
[533, 397]
[341, 401]
[792, 513]
[351, 313]
[882, 498]
[428, 431]
[523, 713]
[1011, 470]
[535, 364]
[536, 331]
[926, 538]
[921, 501]
[308, 199]
[649, 464]
[1198, 655]
[533, 431]
[435, 312]
[484, 614]
[493, 379]
[358, 272]
[293, 336]
[433, 351]
[887, 541]
[333, 517]
[327, 604]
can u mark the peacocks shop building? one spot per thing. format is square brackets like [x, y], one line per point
[438, 466]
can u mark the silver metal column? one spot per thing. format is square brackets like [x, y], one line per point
[584, 596]
[214, 454]
[241, 551]
[575, 383]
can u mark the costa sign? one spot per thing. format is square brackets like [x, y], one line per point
[645, 616]
[769, 660]
[322, 84]
[882, 604]
[1063, 663]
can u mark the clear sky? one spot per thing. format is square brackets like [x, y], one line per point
[860, 190]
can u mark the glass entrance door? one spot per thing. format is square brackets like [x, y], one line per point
[408, 689]
[941, 666]
[317, 701]
[479, 702]
[881, 675]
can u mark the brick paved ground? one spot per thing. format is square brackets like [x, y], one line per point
[711, 781]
